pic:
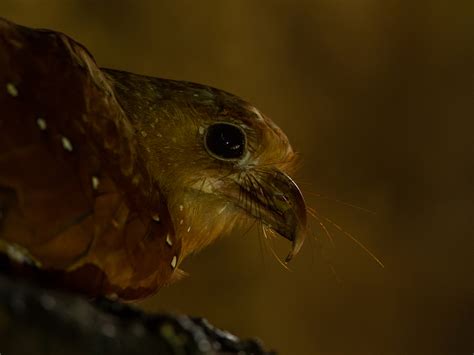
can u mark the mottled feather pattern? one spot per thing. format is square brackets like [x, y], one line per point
[67, 210]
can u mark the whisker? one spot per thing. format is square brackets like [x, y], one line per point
[265, 230]
[325, 258]
[254, 189]
[254, 207]
[354, 239]
[262, 190]
[225, 176]
[246, 193]
[333, 270]
[312, 212]
[254, 222]
[261, 244]
[345, 203]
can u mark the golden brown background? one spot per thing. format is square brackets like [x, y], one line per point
[378, 97]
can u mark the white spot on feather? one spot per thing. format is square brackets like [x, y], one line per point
[156, 217]
[41, 124]
[174, 262]
[66, 144]
[168, 240]
[95, 182]
[12, 90]
[16, 254]
[222, 209]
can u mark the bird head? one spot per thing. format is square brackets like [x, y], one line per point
[216, 159]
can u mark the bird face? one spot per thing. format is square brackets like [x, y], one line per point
[217, 160]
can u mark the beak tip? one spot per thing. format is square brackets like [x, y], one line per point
[296, 244]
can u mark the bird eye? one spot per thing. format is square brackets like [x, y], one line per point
[225, 141]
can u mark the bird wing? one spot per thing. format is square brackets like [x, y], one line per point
[75, 199]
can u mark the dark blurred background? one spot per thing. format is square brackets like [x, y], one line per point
[378, 98]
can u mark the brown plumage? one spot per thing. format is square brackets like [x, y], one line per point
[108, 179]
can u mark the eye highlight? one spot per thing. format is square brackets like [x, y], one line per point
[225, 141]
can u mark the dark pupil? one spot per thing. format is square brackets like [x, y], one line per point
[225, 141]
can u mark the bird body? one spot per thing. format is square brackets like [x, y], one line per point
[108, 179]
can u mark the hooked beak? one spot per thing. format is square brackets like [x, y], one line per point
[277, 202]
